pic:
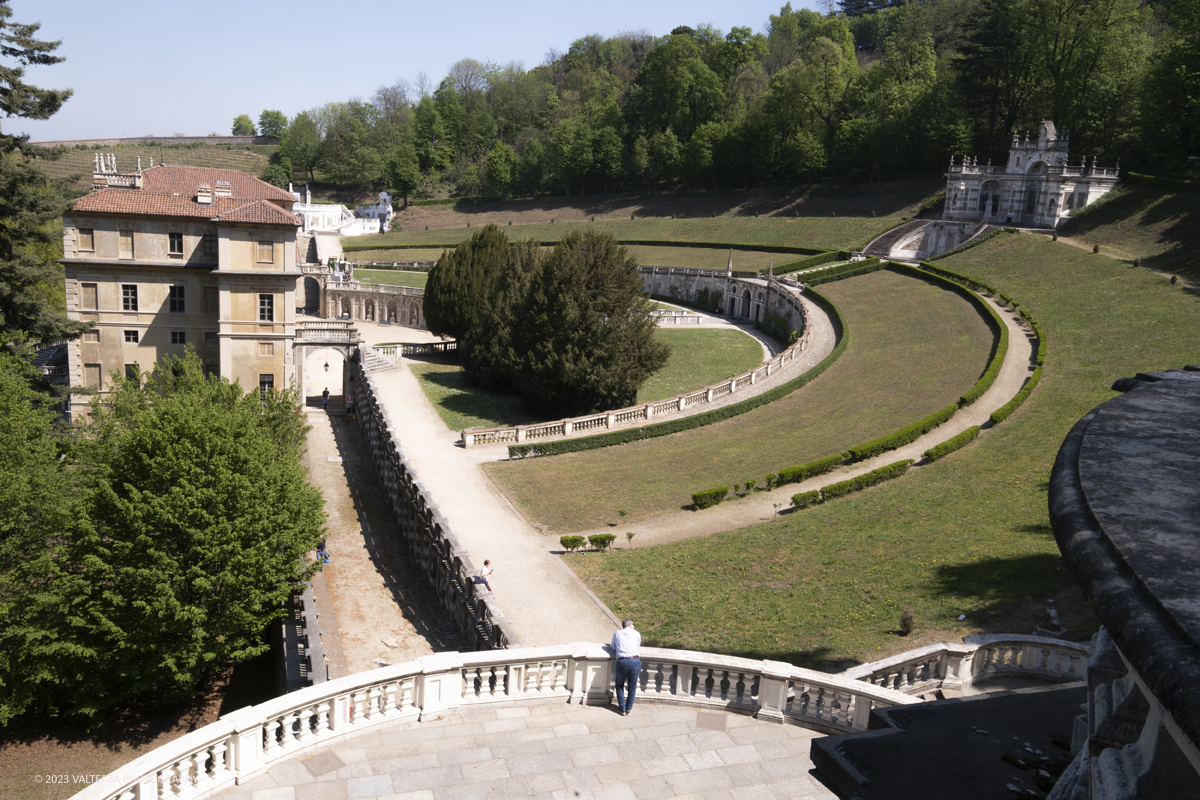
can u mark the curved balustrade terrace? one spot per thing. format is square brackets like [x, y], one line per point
[247, 742]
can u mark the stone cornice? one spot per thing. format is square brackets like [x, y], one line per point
[1125, 507]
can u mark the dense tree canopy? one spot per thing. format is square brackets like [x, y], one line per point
[875, 88]
[243, 125]
[570, 331]
[187, 529]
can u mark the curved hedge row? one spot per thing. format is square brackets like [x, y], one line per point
[1006, 410]
[973, 243]
[802, 472]
[953, 443]
[699, 420]
[848, 270]
[857, 484]
[811, 261]
[906, 435]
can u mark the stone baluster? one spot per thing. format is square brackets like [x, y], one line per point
[773, 690]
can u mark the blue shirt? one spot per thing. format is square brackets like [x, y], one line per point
[625, 643]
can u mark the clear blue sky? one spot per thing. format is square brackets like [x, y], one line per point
[190, 67]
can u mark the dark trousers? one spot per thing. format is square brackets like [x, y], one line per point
[626, 674]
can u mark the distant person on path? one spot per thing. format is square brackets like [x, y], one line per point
[322, 553]
[350, 406]
[485, 573]
[325, 399]
[626, 644]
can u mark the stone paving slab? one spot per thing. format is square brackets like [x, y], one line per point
[578, 752]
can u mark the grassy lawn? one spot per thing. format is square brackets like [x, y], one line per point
[407, 254]
[1138, 221]
[699, 357]
[762, 232]
[914, 348]
[965, 535]
[392, 277]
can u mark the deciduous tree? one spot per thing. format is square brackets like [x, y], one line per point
[243, 125]
[272, 123]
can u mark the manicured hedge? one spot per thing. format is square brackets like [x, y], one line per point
[1008, 408]
[358, 248]
[906, 435]
[810, 262]
[875, 476]
[842, 271]
[953, 443]
[602, 541]
[709, 497]
[800, 251]
[699, 420]
[806, 499]
[803, 472]
[572, 542]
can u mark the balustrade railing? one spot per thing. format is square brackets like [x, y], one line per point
[417, 348]
[976, 658]
[332, 331]
[247, 742]
[692, 401]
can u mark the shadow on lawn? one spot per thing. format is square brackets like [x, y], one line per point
[1004, 582]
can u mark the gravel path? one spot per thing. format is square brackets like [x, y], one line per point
[760, 507]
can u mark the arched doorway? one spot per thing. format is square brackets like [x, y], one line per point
[412, 315]
[745, 303]
[369, 310]
[324, 368]
[345, 307]
[391, 313]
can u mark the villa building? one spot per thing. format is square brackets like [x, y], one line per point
[1036, 188]
[171, 256]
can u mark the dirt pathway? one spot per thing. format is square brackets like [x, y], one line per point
[373, 606]
[761, 506]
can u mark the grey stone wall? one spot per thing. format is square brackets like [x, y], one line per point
[424, 531]
[163, 140]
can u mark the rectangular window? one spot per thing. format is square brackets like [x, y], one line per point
[87, 240]
[266, 383]
[211, 370]
[129, 297]
[92, 337]
[266, 348]
[212, 301]
[91, 375]
[175, 244]
[210, 337]
[266, 308]
[266, 252]
[126, 250]
[210, 244]
[88, 296]
[131, 371]
[178, 337]
[176, 300]
[131, 337]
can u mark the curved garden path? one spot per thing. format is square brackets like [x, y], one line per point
[534, 588]
[761, 506]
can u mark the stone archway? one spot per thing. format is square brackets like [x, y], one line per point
[369, 310]
[344, 307]
[745, 303]
[989, 198]
[390, 313]
[413, 315]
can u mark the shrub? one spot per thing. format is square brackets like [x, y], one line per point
[803, 472]
[806, 499]
[629, 538]
[906, 621]
[953, 443]
[750, 484]
[906, 435]
[1137, 262]
[1174, 279]
[709, 497]
[771, 481]
[1095, 248]
[857, 484]
[1006, 410]
[602, 541]
[571, 543]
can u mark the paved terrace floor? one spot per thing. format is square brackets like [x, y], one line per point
[555, 751]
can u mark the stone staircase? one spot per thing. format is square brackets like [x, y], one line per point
[374, 361]
[882, 245]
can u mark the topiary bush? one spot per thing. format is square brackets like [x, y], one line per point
[709, 497]
[802, 472]
[571, 543]
[806, 499]
[602, 541]
[953, 443]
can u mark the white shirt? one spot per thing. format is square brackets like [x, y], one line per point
[625, 643]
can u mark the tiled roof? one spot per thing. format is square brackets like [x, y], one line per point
[184, 180]
[171, 192]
